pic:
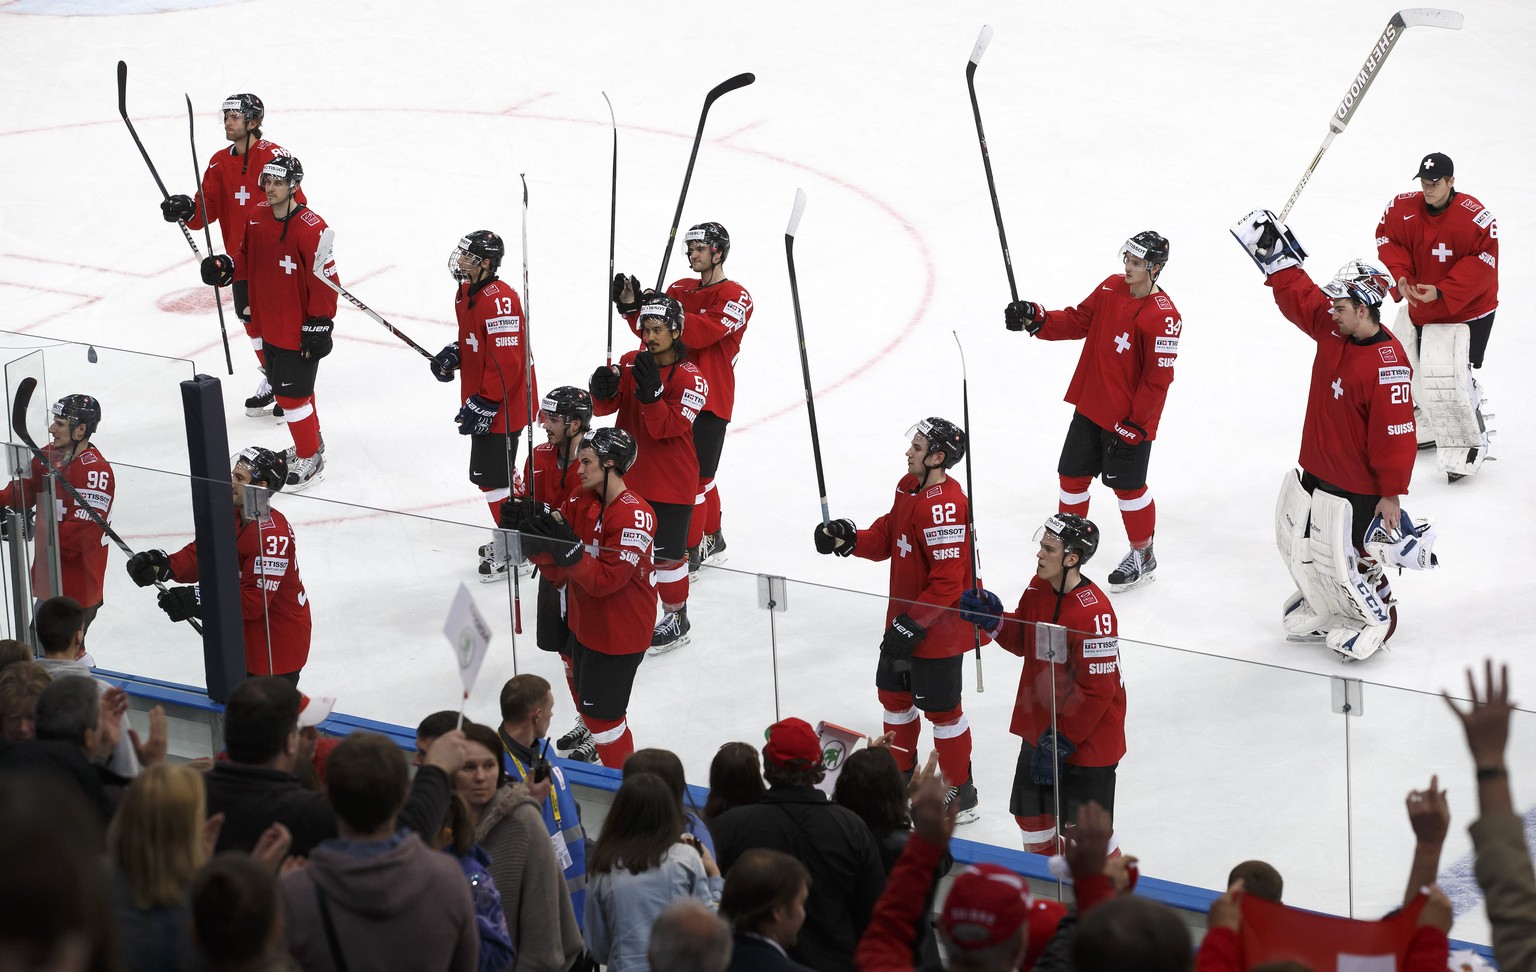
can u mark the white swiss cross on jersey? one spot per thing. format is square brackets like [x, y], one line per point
[242, 195]
[903, 545]
[287, 264]
[473, 342]
[1123, 343]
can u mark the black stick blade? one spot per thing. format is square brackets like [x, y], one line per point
[122, 88]
[731, 84]
[19, 410]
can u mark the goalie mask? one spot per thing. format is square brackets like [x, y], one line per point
[1362, 282]
[1403, 544]
[481, 246]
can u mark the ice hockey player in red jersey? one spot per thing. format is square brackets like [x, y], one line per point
[598, 544]
[1357, 444]
[82, 549]
[1130, 333]
[273, 602]
[921, 655]
[716, 311]
[657, 394]
[1441, 247]
[228, 196]
[293, 310]
[1070, 709]
[491, 357]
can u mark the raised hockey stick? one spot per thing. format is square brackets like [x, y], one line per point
[613, 222]
[805, 361]
[19, 426]
[970, 507]
[1401, 21]
[982, 40]
[122, 109]
[739, 81]
[218, 293]
[517, 588]
[323, 259]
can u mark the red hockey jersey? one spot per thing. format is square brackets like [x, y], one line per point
[1129, 346]
[231, 192]
[924, 538]
[1457, 250]
[1358, 433]
[1086, 681]
[611, 592]
[547, 481]
[714, 323]
[82, 543]
[493, 351]
[277, 257]
[666, 470]
[272, 597]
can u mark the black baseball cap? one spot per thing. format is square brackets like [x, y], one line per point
[1436, 165]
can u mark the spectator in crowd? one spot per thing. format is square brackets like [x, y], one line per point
[377, 897]
[1501, 860]
[507, 824]
[764, 899]
[237, 919]
[1131, 934]
[1259, 878]
[20, 685]
[641, 863]
[314, 748]
[256, 787]
[429, 729]
[797, 818]
[76, 729]
[689, 937]
[13, 651]
[458, 840]
[735, 779]
[665, 764]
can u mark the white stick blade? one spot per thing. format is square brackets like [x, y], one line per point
[796, 213]
[1430, 17]
[982, 40]
[323, 254]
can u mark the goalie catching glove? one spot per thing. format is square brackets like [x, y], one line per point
[1269, 242]
[1404, 544]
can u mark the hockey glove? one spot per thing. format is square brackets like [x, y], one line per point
[5, 522]
[982, 608]
[902, 638]
[1024, 315]
[477, 415]
[1268, 241]
[178, 209]
[445, 363]
[148, 566]
[548, 534]
[1052, 748]
[218, 270]
[631, 306]
[241, 289]
[837, 537]
[1129, 433]
[315, 337]
[604, 385]
[181, 603]
[518, 509]
[647, 378]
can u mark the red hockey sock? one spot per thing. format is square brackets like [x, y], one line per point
[902, 722]
[303, 424]
[952, 738]
[711, 506]
[1139, 514]
[493, 501]
[1074, 495]
[1038, 833]
[254, 333]
[613, 738]
[672, 582]
[696, 518]
[570, 680]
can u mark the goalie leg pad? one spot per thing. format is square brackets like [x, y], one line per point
[1452, 399]
[1408, 335]
[1352, 597]
[1304, 612]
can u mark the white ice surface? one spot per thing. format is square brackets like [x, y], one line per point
[413, 122]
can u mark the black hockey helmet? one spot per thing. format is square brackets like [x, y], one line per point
[569, 402]
[712, 233]
[1078, 534]
[284, 167]
[1150, 246]
[614, 444]
[483, 246]
[943, 437]
[268, 467]
[246, 104]
[666, 308]
[79, 410]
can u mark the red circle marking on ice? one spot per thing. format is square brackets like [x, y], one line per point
[193, 300]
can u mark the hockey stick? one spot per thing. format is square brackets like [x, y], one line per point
[970, 507]
[218, 293]
[323, 258]
[122, 109]
[19, 426]
[739, 81]
[517, 588]
[1401, 21]
[805, 361]
[982, 40]
[613, 220]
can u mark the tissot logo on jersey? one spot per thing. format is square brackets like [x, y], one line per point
[272, 566]
[1101, 647]
[693, 400]
[638, 539]
[1393, 376]
[944, 535]
[1166, 345]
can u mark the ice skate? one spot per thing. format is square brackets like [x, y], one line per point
[966, 802]
[292, 454]
[573, 739]
[1137, 568]
[695, 560]
[264, 402]
[672, 632]
[491, 569]
[488, 552]
[304, 473]
[586, 752]
[713, 549]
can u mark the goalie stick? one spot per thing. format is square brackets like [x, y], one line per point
[1401, 21]
[613, 223]
[323, 258]
[122, 109]
[731, 84]
[218, 293]
[970, 506]
[982, 40]
[805, 362]
[19, 425]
